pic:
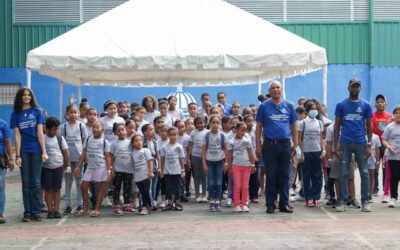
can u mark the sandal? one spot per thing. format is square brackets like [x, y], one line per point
[95, 214]
[81, 213]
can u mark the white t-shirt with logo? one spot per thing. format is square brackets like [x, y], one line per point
[56, 158]
[239, 151]
[214, 152]
[171, 154]
[150, 116]
[311, 134]
[140, 163]
[108, 124]
[72, 134]
[95, 150]
[197, 138]
[122, 151]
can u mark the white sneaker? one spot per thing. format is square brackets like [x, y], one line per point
[385, 199]
[292, 192]
[292, 198]
[229, 202]
[392, 202]
[144, 211]
[238, 209]
[199, 199]
[245, 209]
[204, 199]
[299, 198]
[162, 205]
[106, 202]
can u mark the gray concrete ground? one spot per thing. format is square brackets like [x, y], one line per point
[195, 228]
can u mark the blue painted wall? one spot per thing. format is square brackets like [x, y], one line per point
[374, 81]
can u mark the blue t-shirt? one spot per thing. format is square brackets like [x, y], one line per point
[27, 121]
[353, 114]
[276, 119]
[227, 109]
[4, 134]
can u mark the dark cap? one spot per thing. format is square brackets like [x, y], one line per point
[380, 96]
[354, 81]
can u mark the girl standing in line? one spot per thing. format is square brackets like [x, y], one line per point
[195, 158]
[108, 121]
[175, 112]
[241, 163]
[75, 134]
[150, 104]
[213, 156]
[96, 152]
[172, 170]
[122, 163]
[183, 140]
[143, 172]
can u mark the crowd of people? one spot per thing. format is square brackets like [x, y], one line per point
[153, 156]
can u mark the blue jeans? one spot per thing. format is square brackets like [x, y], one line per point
[312, 176]
[3, 172]
[68, 186]
[215, 173]
[346, 151]
[31, 171]
[277, 170]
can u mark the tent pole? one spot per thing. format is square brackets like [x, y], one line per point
[28, 78]
[79, 94]
[259, 85]
[61, 102]
[325, 85]
[283, 79]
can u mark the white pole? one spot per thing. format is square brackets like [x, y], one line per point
[283, 85]
[61, 102]
[259, 85]
[325, 85]
[28, 78]
[79, 95]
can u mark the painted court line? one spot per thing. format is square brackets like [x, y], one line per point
[329, 214]
[362, 239]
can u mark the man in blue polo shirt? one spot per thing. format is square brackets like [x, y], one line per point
[221, 98]
[353, 120]
[276, 120]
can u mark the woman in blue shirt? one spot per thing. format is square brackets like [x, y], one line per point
[27, 121]
[6, 161]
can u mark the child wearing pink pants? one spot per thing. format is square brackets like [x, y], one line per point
[241, 163]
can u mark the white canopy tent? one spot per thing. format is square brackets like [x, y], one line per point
[168, 42]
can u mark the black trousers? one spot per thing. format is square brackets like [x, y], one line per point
[125, 179]
[144, 190]
[172, 186]
[394, 177]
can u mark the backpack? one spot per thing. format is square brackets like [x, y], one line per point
[59, 139]
[104, 143]
[222, 139]
[80, 129]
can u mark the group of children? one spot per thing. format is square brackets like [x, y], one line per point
[145, 161]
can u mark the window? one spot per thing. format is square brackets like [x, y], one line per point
[8, 92]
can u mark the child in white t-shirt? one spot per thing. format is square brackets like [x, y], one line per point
[183, 139]
[172, 170]
[96, 153]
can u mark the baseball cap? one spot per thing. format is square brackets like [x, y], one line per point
[380, 96]
[354, 81]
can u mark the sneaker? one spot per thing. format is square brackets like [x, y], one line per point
[317, 203]
[290, 205]
[299, 198]
[354, 204]
[211, 207]
[366, 207]
[238, 209]
[144, 211]
[331, 202]
[392, 203]
[79, 208]
[229, 202]
[162, 205]
[178, 207]
[370, 199]
[245, 209]
[43, 208]
[106, 202]
[2, 220]
[26, 218]
[376, 192]
[292, 198]
[50, 215]
[117, 210]
[57, 215]
[292, 192]
[168, 207]
[218, 207]
[199, 199]
[340, 207]
[204, 200]
[129, 209]
[67, 210]
[385, 199]
[310, 203]
[37, 217]
[254, 200]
